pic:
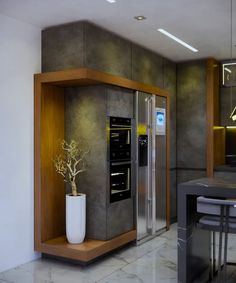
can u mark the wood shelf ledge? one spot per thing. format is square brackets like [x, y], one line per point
[86, 251]
[84, 76]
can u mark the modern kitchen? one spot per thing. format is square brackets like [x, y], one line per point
[130, 170]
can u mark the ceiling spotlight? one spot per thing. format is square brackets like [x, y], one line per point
[140, 18]
[111, 1]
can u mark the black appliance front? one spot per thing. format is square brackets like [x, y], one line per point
[120, 181]
[143, 150]
[120, 158]
[120, 138]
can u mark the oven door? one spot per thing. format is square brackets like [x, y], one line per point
[120, 181]
[120, 144]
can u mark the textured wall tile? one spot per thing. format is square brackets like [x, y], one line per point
[107, 52]
[63, 47]
[191, 114]
[85, 121]
[169, 73]
[170, 85]
[225, 105]
[120, 102]
[86, 109]
[173, 197]
[120, 218]
[226, 176]
[187, 175]
[147, 66]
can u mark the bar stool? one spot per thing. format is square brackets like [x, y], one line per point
[220, 216]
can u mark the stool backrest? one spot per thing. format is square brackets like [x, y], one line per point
[213, 206]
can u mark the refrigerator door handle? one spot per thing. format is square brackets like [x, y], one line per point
[149, 167]
[153, 162]
[151, 172]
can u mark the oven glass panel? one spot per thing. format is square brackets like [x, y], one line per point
[120, 158]
[120, 139]
[120, 187]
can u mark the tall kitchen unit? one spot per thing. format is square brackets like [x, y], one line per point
[150, 114]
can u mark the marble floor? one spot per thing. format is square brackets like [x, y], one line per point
[153, 261]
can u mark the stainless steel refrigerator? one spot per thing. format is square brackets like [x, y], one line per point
[150, 163]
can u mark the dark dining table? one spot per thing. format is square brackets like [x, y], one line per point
[194, 243]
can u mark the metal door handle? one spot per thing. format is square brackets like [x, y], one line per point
[120, 163]
[149, 167]
[153, 166]
[151, 188]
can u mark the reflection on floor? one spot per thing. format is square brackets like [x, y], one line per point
[153, 261]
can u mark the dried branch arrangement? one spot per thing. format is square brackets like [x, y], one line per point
[71, 164]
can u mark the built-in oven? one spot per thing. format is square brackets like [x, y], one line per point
[120, 181]
[120, 138]
[119, 158]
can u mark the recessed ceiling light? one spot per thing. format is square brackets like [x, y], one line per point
[111, 1]
[177, 40]
[140, 18]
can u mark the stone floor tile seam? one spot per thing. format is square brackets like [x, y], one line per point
[108, 275]
[120, 258]
[139, 257]
[134, 275]
[120, 269]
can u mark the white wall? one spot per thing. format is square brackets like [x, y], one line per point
[20, 58]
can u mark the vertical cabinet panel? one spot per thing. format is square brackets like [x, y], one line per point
[52, 186]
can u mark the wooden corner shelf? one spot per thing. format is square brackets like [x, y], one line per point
[86, 251]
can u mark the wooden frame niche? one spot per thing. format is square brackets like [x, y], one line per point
[49, 189]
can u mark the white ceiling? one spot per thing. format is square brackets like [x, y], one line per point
[205, 24]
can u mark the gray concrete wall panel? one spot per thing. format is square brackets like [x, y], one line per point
[120, 102]
[107, 52]
[147, 66]
[191, 115]
[187, 175]
[120, 217]
[85, 122]
[170, 86]
[63, 47]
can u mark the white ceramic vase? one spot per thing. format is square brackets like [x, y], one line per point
[75, 218]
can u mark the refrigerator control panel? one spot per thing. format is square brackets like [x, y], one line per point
[143, 150]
